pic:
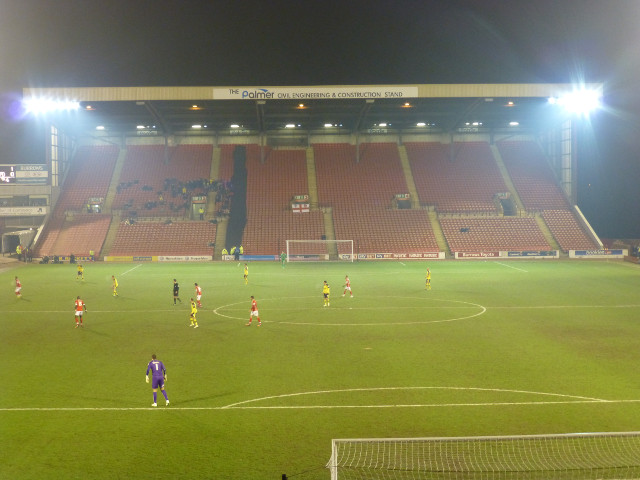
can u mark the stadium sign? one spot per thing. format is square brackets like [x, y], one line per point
[32, 174]
[605, 253]
[400, 256]
[23, 211]
[477, 254]
[313, 93]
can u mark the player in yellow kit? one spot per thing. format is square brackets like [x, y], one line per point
[192, 315]
[115, 285]
[427, 281]
[326, 291]
[246, 274]
[80, 273]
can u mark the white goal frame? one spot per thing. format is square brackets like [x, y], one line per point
[574, 456]
[319, 250]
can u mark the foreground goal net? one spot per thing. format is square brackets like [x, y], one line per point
[531, 457]
[319, 250]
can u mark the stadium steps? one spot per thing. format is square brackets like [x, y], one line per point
[221, 237]
[112, 233]
[546, 232]
[443, 246]
[312, 184]
[506, 177]
[115, 179]
[329, 228]
[210, 209]
[216, 159]
[408, 176]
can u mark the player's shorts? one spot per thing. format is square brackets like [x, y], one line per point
[347, 288]
[79, 313]
[192, 315]
[18, 289]
[157, 382]
[198, 297]
[326, 295]
[254, 313]
[79, 273]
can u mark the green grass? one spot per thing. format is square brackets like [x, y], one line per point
[495, 348]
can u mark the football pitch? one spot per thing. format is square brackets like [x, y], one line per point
[494, 348]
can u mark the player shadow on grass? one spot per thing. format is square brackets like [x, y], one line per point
[95, 332]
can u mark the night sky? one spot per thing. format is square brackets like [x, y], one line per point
[308, 42]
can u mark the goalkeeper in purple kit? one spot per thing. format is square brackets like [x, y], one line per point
[158, 377]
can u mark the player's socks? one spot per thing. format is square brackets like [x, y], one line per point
[155, 397]
[166, 397]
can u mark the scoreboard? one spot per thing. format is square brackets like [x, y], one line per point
[23, 174]
[7, 174]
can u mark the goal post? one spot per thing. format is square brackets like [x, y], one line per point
[575, 456]
[319, 250]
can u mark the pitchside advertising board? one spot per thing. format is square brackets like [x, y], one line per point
[23, 174]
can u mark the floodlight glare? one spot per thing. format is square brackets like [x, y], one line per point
[580, 102]
[46, 105]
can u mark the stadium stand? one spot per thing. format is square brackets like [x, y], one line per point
[458, 178]
[153, 178]
[153, 238]
[567, 231]
[531, 176]
[361, 194]
[89, 177]
[493, 234]
[271, 186]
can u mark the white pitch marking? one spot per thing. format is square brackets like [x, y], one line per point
[130, 270]
[377, 389]
[511, 266]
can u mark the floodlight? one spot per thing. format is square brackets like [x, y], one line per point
[46, 105]
[289, 125]
[100, 127]
[514, 124]
[580, 101]
[328, 125]
[196, 126]
[421, 124]
[235, 125]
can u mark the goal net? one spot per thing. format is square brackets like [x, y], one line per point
[530, 457]
[319, 250]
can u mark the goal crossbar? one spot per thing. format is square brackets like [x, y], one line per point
[557, 456]
[319, 250]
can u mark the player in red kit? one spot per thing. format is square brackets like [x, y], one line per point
[80, 307]
[198, 294]
[254, 312]
[18, 288]
[347, 286]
